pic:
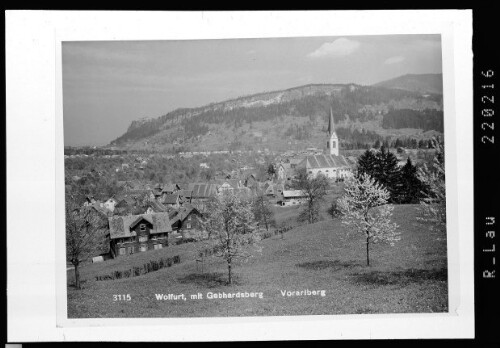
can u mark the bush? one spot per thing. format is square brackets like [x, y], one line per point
[151, 266]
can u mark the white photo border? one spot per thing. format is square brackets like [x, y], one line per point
[37, 280]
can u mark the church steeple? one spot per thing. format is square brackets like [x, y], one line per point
[330, 123]
[333, 142]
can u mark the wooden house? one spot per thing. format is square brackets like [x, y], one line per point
[187, 221]
[138, 233]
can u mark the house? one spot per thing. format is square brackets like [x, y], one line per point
[138, 233]
[274, 190]
[170, 188]
[293, 197]
[187, 221]
[172, 200]
[228, 185]
[284, 171]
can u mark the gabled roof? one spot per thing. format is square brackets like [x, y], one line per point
[324, 161]
[119, 226]
[139, 219]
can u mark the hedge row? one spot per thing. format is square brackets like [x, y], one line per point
[151, 266]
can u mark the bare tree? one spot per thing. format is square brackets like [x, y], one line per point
[364, 209]
[231, 227]
[85, 235]
[315, 191]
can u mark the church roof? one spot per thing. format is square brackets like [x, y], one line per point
[325, 161]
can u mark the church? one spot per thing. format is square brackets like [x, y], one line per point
[331, 164]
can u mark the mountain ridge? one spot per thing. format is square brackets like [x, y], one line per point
[306, 105]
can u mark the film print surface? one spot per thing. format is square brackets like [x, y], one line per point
[255, 177]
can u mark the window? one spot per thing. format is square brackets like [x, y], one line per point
[142, 227]
[121, 251]
[157, 246]
[130, 249]
[143, 247]
[189, 218]
[143, 239]
[188, 225]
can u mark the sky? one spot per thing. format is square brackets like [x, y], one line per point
[108, 84]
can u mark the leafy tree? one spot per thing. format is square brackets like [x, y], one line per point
[315, 191]
[433, 202]
[262, 211]
[231, 228]
[365, 210]
[85, 235]
[334, 210]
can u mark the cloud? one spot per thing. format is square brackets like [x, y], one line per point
[338, 48]
[394, 60]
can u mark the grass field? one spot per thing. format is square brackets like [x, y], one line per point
[410, 277]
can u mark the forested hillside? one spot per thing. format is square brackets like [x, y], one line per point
[294, 117]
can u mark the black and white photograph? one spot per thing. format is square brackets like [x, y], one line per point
[255, 177]
[245, 176]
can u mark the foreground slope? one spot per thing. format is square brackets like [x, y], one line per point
[410, 277]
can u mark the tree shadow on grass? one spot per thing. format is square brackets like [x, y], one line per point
[208, 280]
[400, 277]
[324, 264]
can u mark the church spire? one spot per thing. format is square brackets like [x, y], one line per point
[330, 123]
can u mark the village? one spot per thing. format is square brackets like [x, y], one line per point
[144, 217]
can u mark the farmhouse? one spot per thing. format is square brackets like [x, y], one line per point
[186, 221]
[138, 233]
[292, 197]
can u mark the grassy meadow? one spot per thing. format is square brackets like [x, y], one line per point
[407, 278]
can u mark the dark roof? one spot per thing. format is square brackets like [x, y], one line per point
[203, 190]
[119, 226]
[325, 161]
